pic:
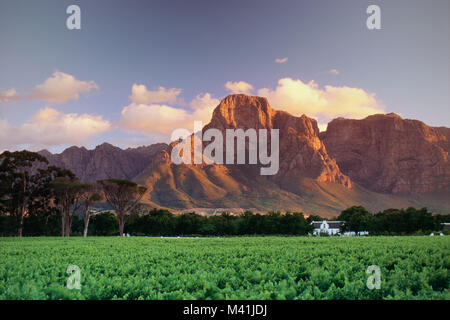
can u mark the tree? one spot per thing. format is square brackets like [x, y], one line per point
[123, 195]
[246, 223]
[42, 214]
[88, 197]
[405, 221]
[68, 192]
[104, 224]
[295, 223]
[189, 223]
[223, 224]
[356, 218]
[20, 178]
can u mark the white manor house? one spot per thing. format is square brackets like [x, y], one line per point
[332, 228]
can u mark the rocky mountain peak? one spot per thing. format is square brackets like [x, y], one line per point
[242, 111]
[105, 146]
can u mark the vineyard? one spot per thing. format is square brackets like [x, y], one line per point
[225, 268]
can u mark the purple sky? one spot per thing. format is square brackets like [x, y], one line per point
[61, 87]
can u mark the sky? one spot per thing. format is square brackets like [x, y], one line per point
[136, 70]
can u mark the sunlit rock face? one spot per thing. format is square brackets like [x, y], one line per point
[388, 154]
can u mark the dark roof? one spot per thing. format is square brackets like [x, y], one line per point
[316, 224]
[334, 224]
[331, 224]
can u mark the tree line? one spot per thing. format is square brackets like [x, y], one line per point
[37, 199]
[392, 221]
[160, 222]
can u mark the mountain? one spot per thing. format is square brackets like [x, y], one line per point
[302, 153]
[380, 162]
[305, 168]
[388, 154]
[105, 161]
[310, 178]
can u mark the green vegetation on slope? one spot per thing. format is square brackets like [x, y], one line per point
[225, 268]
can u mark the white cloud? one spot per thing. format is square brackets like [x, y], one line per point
[151, 118]
[281, 60]
[9, 95]
[297, 97]
[334, 72]
[322, 126]
[152, 114]
[60, 88]
[163, 119]
[204, 102]
[140, 94]
[291, 95]
[239, 87]
[49, 127]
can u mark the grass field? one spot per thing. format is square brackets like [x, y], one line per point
[225, 268]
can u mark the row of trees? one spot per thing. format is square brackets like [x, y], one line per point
[164, 223]
[158, 222]
[391, 221]
[104, 224]
[29, 187]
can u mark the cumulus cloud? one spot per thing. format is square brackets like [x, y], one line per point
[298, 97]
[49, 127]
[334, 72]
[163, 119]
[281, 60]
[322, 126]
[151, 118]
[292, 95]
[140, 94]
[9, 95]
[204, 103]
[239, 87]
[60, 88]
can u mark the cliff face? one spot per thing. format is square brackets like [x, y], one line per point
[388, 154]
[105, 161]
[301, 152]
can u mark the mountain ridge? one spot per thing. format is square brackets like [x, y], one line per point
[319, 172]
[104, 161]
